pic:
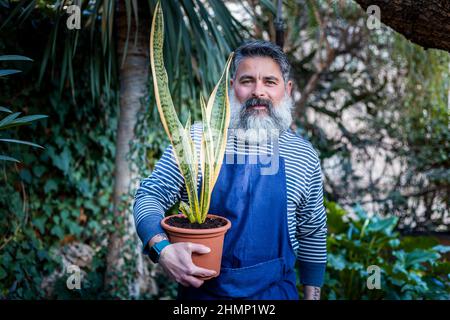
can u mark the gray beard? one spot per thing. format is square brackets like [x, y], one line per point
[259, 127]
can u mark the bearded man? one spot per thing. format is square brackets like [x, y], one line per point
[269, 187]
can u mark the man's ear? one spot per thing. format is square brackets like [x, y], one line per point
[231, 82]
[289, 87]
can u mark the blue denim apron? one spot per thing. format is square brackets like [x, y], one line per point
[258, 259]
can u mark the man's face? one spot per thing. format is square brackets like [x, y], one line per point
[260, 101]
[260, 78]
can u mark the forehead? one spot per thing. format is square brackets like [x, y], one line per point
[258, 66]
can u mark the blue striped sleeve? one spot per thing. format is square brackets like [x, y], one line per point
[312, 233]
[155, 195]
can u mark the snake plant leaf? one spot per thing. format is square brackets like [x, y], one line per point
[206, 134]
[193, 157]
[203, 109]
[191, 142]
[187, 126]
[216, 119]
[207, 159]
[215, 116]
[186, 210]
[218, 112]
[186, 153]
[207, 182]
[191, 166]
[181, 142]
[163, 98]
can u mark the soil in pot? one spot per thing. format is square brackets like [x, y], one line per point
[183, 222]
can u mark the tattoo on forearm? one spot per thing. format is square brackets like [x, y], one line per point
[311, 293]
[161, 236]
[316, 293]
[157, 238]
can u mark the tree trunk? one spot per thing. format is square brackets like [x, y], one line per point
[424, 22]
[126, 267]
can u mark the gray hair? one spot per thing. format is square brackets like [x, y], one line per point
[261, 48]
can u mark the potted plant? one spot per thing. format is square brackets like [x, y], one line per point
[194, 224]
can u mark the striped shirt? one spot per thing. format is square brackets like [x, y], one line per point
[306, 215]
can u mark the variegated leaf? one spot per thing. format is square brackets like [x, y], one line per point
[218, 110]
[181, 142]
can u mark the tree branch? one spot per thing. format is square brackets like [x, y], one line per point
[424, 22]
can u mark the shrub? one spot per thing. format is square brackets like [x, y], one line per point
[410, 268]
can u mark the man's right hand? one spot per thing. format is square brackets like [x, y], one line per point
[176, 260]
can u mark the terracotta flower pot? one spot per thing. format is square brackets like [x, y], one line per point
[212, 238]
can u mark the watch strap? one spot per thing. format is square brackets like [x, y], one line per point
[155, 250]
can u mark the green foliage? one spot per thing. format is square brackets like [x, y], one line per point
[411, 268]
[60, 194]
[18, 246]
[423, 133]
[13, 119]
[198, 42]
[23, 257]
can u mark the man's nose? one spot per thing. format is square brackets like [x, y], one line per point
[258, 90]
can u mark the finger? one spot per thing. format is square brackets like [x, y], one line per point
[199, 248]
[202, 272]
[182, 281]
[193, 281]
[184, 284]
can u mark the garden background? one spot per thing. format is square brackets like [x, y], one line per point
[79, 128]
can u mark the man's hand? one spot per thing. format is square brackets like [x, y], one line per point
[311, 293]
[176, 260]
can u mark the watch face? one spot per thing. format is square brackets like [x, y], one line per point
[154, 255]
[156, 249]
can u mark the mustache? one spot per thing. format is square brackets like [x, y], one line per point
[243, 116]
[258, 102]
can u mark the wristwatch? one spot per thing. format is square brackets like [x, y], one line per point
[155, 250]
